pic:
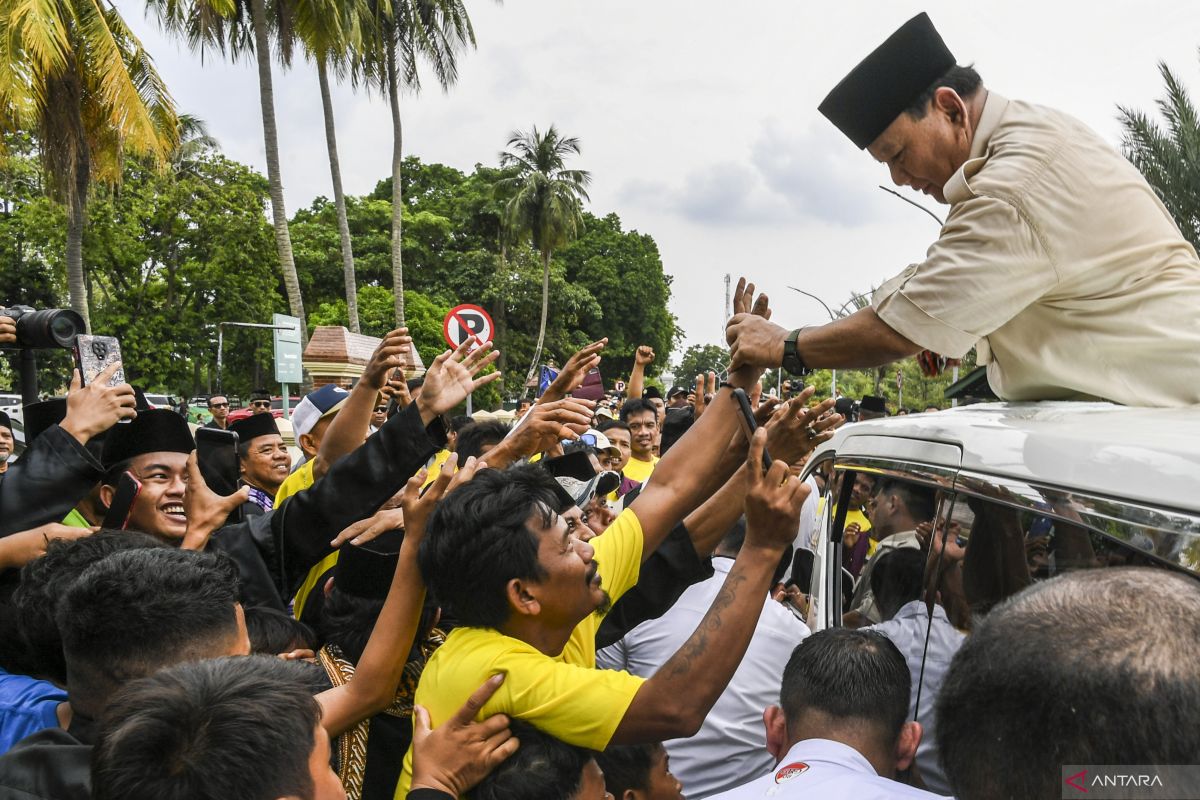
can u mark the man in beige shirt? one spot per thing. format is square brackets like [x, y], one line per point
[1057, 260]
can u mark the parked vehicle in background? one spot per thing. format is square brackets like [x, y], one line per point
[276, 408]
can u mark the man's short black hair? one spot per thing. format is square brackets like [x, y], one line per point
[43, 583]
[273, 632]
[1092, 667]
[609, 424]
[921, 501]
[240, 727]
[627, 767]
[963, 80]
[479, 539]
[542, 767]
[460, 422]
[637, 405]
[897, 578]
[857, 677]
[474, 437]
[134, 612]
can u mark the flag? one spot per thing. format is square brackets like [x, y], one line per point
[545, 377]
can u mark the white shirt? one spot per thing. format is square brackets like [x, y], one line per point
[821, 769]
[907, 631]
[731, 744]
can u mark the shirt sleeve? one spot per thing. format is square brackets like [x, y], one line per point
[579, 705]
[619, 554]
[986, 267]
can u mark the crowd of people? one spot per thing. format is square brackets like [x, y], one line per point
[613, 599]
[591, 602]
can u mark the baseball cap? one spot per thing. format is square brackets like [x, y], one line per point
[315, 405]
[604, 411]
[578, 482]
[599, 441]
[676, 391]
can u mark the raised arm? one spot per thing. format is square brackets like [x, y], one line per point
[642, 358]
[378, 673]
[701, 461]
[349, 427]
[571, 376]
[676, 700]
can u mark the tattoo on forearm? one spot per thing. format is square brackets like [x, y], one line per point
[698, 643]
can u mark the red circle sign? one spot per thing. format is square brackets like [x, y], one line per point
[465, 322]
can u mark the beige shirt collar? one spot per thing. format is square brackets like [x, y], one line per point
[994, 107]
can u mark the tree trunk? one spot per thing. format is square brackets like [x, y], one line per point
[500, 314]
[397, 193]
[283, 239]
[76, 283]
[339, 199]
[537, 351]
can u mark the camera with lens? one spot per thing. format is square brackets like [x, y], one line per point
[45, 328]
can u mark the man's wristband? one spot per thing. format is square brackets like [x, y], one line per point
[793, 362]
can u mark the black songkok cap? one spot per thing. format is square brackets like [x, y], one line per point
[5, 420]
[366, 570]
[874, 403]
[159, 430]
[41, 415]
[886, 82]
[253, 426]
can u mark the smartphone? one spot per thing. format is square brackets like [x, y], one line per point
[216, 452]
[117, 516]
[93, 354]
[749, 424]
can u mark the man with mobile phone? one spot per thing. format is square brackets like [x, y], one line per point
[153, 449]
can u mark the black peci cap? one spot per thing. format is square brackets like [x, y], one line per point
[254, 426]
[155, 431]
[887, 81]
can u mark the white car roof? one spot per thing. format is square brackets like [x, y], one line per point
[1149, 455]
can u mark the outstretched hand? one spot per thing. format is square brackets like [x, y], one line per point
[545, 425]
[451, 378]
[754, 341]
[93, 409]
[795, 430]
[773, 499]
[386, 358]
[571, 376]
[206, 511]
[457, 755]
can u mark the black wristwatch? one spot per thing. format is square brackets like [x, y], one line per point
[793, 362]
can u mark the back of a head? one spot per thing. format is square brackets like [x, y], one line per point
[240, 727]
[543, 768]
[897, 578]
[43, 583]
[273, 632]
[1093, 667]
[473, 438]
[627, 767]
[137, 611]
[921, 501]
[478, 539]
[847, 680]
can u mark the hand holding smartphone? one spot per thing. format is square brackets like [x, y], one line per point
[94, 354]
[117, 516]
[749, 423]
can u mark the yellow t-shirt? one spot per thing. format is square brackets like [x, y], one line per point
[435, 468]
[298, 481]
[639, 471]
[565, 696]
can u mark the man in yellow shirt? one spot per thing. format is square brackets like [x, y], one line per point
[530, 595]
[642, 419]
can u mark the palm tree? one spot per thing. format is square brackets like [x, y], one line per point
[1169, 158]
[238, 27]
[544, 202]
[333, 36]
[410, 31]
[76, 74]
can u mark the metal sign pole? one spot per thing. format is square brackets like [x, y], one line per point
[286, 414]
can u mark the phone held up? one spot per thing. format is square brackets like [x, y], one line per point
[217, 457]
[94, 354]
[749, 424]
[117, 516]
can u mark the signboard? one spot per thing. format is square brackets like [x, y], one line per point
[288, 354]
[467, 322]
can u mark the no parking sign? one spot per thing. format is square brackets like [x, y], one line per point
[467, 322]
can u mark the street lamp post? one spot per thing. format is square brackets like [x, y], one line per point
[221, 345]
[832, 318]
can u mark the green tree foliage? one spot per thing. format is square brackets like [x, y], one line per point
[701, 358]
[1169, 156]
[174, 254]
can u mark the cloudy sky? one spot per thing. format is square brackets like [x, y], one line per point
[698, 124]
